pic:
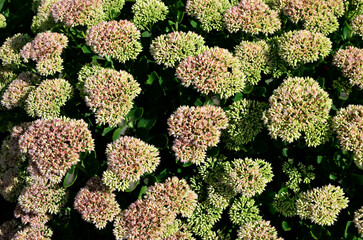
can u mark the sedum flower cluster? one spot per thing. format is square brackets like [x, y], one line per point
[284, 203]
[148, 12]
[195, 129]
[257, 230]
[128, 158]
[297, 175]
[43, 233]
[122, 46]
[43, 19]
[299, 105]
[358, 220]
[357, 25]
[108, 93]
[244, 117]
[2, 21]
[244, 210]
[252, 16]
[46, 49]
[9, 51]
[170, 49]
[35, 219]
[321, 205]
[301, 47]
[215, 71]
[350, 60]
[348, 125]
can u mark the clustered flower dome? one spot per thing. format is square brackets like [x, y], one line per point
[170, 49]
[350, 60]
[53, 145]
[108, 93]
[34, 219]
[358, 220]
[284, 203]
[252, 16]
[301, 47]
[43, 19]
[299, 105]
[321, 205]
[257, 230]
[122, 46]
[317, 16]
[2, 21]
[215, 71]
[357, 25]
[244, 210]
[348, 125]
[196, 129]
[208, 12]
[46, 49]
[29, 232]
[96, 203]
[128, 158]
[9, 51]
[148, 12]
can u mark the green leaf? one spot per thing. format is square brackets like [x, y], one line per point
[347, 31]
[132, 186]
[71, 177]
[198, 102]
[357, 179]
[284, 152]
[319, 159]
[238, 97]
[118, 132]
[248, 89]
[346, 229]
[146, 123]
[2, 4]
[316, 231]
[85, 49]
[286, 226]
[259, 91]
[332, 176]
[107, 130]
[160, 140]
[91, 164]
[152, 77]
[213, 151]
[135, 114]
[193, 23]
[142, 191]
[146, 34]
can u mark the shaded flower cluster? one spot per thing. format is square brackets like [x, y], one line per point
[9, 51]
[196, 129]
[8, 229]
[54, 145]
[244, 117]
[348, 125]
[244, 210]
[208, 12]
[116, 39]
[321, 205]
[300, 47]
[43, 233]
[357, 25]
[285, 204]
[96, 203]
[358, 220]
[128, 158]
[299, 105]
[350, 60]
[170, 49]
[108, 93]
[297, 175]
[46, 49]
[34, 219]
[2, 21]
[215, 71]
[257, 230]
[252, 16]
[43, 19]
[148, 12]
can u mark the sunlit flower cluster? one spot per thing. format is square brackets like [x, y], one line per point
[357, 25]
[128, 158]
[43, 19]
[54, 145]
[122, 46]
[257, 230]
[9, 51]
[252, 16]
[46, 49]
[96, 203]
[29, 232]
[350, 60]
[244, 210]
[296, 106]
[34, 219]
[108, 93]
[177, 230]
[301, 47]
[297, 174]
[348, 125]
[321, 205]
[358, 220]
[170, 49]
[148, 12]
[196, 129]
[244, 117]
[208, 12]
[2, 21]
[215, 71]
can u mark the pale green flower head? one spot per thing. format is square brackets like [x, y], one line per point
[257, 230]
[43, 19]
[297, 174]
[285, 204]
[244, 210]
[10, 50]
[148, 12]
[2, 21]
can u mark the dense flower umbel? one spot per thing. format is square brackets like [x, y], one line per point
[170, 49]
[357, 25]
[117, 39]
[2, 21]
[8, 229]
[255, 58]
[296, 106]
[318, 16]
[321, 205]
[245, 122]
[46, 49]
[47, 99]
[148, 12]
[348, 125]
[300, 47]
[244, 210]
[358, 220]
[350, 60]
[54, 145]
[196, 129]
[41, 233]
[108, 93]
[96, 203]
[257, 230]
[128, 158]
[208, 12]
[215, 71]
[9, 51]
[34, 219]
[43, 19]
[252, 16]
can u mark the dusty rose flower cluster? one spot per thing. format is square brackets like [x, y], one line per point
[9, 51]
[357, 25]
[34, 219]
[116, 39]
[54, 145]
[358, 220]
[46, 49]
[43, 19]
[350, 60]
[196, 129]
[43, 233]
[215, 71]
[252, 16]
[96, 203]
[128, 158]
[257, 230]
